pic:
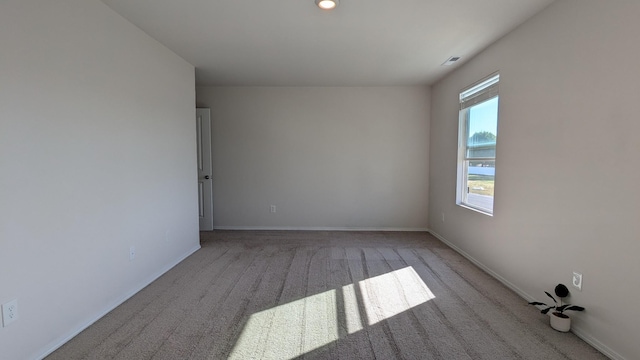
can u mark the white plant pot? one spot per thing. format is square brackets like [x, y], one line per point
[562, 324]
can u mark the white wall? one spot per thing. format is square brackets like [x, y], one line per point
[97, 153]
[326, 157]
[568, 164]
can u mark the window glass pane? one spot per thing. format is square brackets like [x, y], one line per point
[481, 152]
[480, 183]
[482, 129]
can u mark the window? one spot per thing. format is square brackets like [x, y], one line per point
[478, 133]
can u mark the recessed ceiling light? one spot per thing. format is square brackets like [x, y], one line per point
[327, 4]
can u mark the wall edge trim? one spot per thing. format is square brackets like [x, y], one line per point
[317, 228]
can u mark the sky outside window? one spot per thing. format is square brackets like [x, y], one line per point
[484, 117]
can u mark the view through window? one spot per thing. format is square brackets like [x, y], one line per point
[478, 134]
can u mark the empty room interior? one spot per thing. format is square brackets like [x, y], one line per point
[155, 150]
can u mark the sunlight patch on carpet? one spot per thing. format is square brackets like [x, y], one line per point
[351, 309]
[390, 294]
[299, 327]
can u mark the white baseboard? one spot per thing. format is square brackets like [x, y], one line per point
[506, 282]
[118, 302]
[315, 228]
[607, 351]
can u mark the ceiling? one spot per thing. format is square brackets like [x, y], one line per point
[294, 43]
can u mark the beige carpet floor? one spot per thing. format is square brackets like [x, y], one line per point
[324, 295]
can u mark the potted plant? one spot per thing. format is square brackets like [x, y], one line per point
[558, 319]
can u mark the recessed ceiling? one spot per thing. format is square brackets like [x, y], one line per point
[294, 43]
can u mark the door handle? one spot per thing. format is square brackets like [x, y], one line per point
[206, 177]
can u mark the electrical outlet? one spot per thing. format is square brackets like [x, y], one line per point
[132, 253]
[272, 208]
[9, 312]
[577, 281]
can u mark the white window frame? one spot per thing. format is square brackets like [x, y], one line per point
[481, 91]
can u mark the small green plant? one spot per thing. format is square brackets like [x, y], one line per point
[561, 292]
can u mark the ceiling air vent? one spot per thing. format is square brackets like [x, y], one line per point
[451, 60]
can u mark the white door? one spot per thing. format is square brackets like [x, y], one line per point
[205, 182]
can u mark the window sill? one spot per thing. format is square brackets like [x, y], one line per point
[478, 210]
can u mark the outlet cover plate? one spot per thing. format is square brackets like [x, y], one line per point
[577, 281]
[9, 312]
